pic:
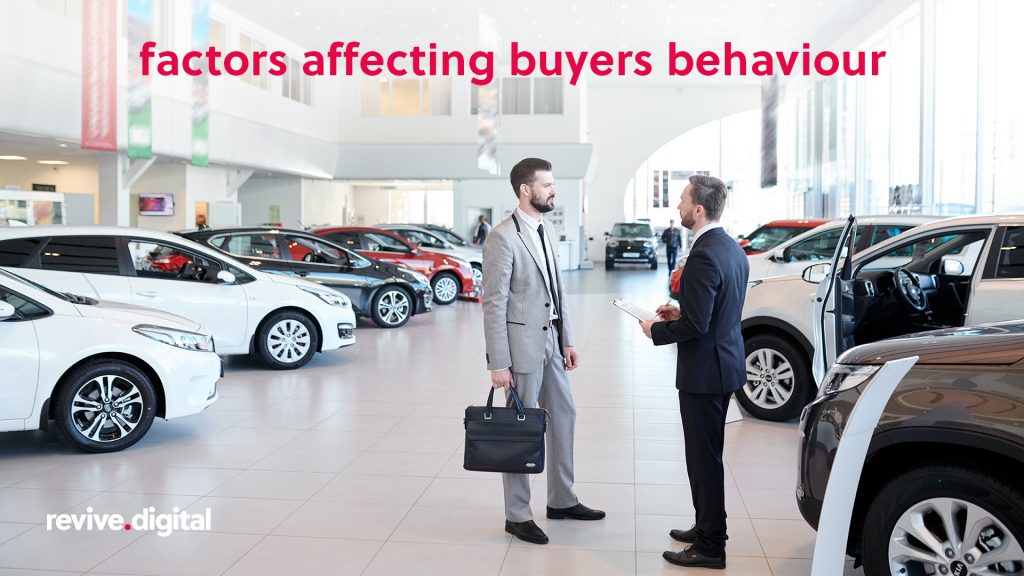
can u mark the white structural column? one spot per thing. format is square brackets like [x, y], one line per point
[117, 174]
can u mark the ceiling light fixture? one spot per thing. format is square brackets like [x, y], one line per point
[62, 145]
[12, 158]
[53, 162]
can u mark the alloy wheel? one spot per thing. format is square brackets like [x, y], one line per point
[770, 378]
[393, 307]
[107, 408]
[446, 289]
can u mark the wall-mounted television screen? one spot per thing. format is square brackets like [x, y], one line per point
[156, 205]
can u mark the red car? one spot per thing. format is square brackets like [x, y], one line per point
[761, 240]
[450, 277]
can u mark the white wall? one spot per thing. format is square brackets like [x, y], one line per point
[74, 178]
[162, 178]
[372, 205]
[628, 124]
[257, 195]
[326, 202]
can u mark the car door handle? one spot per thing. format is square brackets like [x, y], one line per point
[148, 293]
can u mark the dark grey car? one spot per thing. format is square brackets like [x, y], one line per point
[942, 490]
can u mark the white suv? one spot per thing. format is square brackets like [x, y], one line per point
[282, 320]
[102, 371]
[953, 272]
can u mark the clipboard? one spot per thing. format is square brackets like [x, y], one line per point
[633, 310]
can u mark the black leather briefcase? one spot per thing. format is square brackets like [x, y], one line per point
[505, 439]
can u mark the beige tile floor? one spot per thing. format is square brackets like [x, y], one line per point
[353, 465]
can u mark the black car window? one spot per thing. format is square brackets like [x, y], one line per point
[421, 238]
[157, 260]
[767, 237]
[305, 249]
[253, 246]
[818, 247]
[383, 243]
[349, 240]
[84, 254]
[1011, 254]
[15, 252]
[28, 309]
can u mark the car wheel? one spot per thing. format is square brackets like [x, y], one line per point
[478, 275]
[105, 406]
[609, 264]
[392, 307]
[945, 520]
[446, 288]
[654, 264]
[778, 381]
[286, 340]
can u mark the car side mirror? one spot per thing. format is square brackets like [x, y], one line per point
[7, 311]
[607, 234]
[225, 277]
[815, 274]
[951, 267]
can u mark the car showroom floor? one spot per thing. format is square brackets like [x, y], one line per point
[353, 465]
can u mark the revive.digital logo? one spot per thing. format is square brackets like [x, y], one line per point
[164, 524]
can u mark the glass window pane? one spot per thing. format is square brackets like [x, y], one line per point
[440, 95]
[956, 107]
[371, 93]
[515, 95]
[405, 97]
[253, 246]
[155, 260]
[1011, 254]
[547, 96]
[305, 249]
[84, 254]
[14, 253]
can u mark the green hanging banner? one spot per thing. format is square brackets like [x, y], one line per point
[140, 103]
[201, 86]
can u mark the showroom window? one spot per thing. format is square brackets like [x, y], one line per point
[161, 25]
[407, 97]
[1011, 254]
[84, 254]
[248, 45]
[525, 96]
[14, 253]
[165, 261]
[218, 34]
[68, 8]
[252, 246]
[296, 85]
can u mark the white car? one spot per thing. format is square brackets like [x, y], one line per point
[954, 272]
[101, 371]
[432, 242]
[282, 320]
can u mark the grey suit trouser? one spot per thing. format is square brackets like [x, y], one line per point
[547, 387]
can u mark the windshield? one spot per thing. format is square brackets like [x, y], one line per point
[632, 230]
[767, 237]
[39, 287]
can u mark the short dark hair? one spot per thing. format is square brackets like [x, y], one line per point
[525, 172]
[711, 193]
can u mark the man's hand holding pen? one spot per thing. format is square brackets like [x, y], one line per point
[666, 313]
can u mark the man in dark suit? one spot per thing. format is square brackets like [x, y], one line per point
[710, 362]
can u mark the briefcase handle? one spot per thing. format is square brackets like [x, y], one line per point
[515, 401]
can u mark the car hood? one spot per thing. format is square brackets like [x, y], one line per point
[139, 315]
[992, 344]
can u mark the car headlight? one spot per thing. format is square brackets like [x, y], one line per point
[328, 296]
[649, 243]
[842, 377]
[421, 278]
[176, 338]
[611, 244]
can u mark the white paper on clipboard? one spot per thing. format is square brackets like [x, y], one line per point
[634, 310]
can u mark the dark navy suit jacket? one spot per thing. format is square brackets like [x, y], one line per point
[711, 293]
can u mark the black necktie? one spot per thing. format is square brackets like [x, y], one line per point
[552, 288]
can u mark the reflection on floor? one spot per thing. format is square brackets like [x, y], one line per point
[353, 465]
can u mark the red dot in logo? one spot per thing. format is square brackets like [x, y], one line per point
[127, 526]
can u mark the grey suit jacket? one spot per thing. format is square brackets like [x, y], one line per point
[517, 307]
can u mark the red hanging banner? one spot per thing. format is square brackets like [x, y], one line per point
[99, 75]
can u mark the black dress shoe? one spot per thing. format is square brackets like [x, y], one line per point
[577, 512]
[691, 558]
[526, 531]
[688, 536]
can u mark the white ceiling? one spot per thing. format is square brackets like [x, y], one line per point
[576, 25]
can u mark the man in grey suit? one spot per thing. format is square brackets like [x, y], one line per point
[529, 342]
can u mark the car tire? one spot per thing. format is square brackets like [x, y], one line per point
[391, 307]
[446, 288]
[478, 274]
[782, 387]
[925, 497]
[654, 264]
[609, 264]
[111, 427]
[286, 340]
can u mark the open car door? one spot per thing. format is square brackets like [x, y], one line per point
[834, 295]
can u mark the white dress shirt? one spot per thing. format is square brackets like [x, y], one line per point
[531, 231]
[708, 227]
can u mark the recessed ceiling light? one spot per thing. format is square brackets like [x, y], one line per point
[62, 145]
[297, 13]
[53, 162]
[12, 158]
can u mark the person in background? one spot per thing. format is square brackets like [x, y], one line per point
[672, 240]
[482, 228]
[201, 222]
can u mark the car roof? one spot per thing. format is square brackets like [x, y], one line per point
[794, 223]
[237, 229]
[89, 230]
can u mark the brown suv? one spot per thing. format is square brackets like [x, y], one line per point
[942, 491]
